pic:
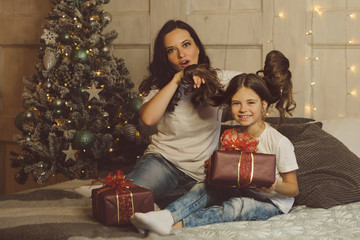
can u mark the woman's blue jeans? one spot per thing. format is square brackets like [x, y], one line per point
[154, 172]
[191, 207]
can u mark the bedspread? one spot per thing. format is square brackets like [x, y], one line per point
[63, 211]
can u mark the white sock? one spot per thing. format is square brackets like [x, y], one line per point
[159, 222]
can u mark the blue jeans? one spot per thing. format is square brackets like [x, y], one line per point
[154, 172]
[191, 207]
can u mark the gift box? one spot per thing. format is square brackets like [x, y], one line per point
[241, 169]
[115, 203]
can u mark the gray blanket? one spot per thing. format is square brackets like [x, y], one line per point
[63, 211]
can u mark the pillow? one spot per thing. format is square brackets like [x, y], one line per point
[289, 120]
[328, 173]
[291, 128]
[347, 130]
[294, 131]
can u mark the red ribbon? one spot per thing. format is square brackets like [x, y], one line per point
[232, 140]
[116, 181]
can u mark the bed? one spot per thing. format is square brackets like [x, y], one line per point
[328, 206]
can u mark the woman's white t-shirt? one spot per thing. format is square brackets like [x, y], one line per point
[188, 136]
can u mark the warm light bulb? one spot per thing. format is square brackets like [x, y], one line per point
[352, 15]
[353, 92]
[314, 108]
[317, 10]
[308, 32]
[350, 41]
[352, 68]
[312, 83]
[281, 14]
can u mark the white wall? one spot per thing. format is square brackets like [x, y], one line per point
[237, 34]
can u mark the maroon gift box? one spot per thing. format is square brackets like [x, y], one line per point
[115, 207]
[241, 169]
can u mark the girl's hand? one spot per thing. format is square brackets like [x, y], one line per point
[268, 190]
[206, 166]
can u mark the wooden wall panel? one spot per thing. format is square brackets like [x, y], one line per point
[132, 29]
[353, 81]
[246, 29]
[20, 31]
[136, 61]
[241, 5]
[329, 74]
[328, 23]
[25, 7]
[207, 24]
[126, 6]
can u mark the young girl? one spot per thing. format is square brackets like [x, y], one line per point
[186, 135]
[248, 96]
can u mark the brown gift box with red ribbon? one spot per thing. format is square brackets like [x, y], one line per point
[241, 169]
[119, 199]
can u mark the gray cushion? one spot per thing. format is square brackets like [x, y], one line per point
[329, 173]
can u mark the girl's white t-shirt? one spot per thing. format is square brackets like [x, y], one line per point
[273, 142]
[188, 136]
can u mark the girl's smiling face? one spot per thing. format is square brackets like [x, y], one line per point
[247, 109]
[181, 49]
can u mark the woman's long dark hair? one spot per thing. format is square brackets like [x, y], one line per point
[161, 71]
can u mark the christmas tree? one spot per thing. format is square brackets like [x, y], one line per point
[80, 113]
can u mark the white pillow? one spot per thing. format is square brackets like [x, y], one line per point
[347, 130]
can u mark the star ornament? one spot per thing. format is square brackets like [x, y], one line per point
[70, 153]
[94, 92]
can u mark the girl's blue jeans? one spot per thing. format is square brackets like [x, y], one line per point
[234, 205]
[154, 172]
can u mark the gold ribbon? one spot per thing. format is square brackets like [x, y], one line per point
[243, 169]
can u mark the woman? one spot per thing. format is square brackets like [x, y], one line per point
[186, 134]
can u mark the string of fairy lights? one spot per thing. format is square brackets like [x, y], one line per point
[311, 58]
[310, 107]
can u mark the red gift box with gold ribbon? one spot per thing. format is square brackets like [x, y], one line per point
[241, 169]
[236, 163]
[119, 199]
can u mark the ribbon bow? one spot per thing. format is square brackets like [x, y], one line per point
[116, 181]
[232, 140]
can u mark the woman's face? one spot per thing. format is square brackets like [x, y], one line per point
[247, 108]
[181, 49]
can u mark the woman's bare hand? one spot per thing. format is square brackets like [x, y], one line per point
[198, 81]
